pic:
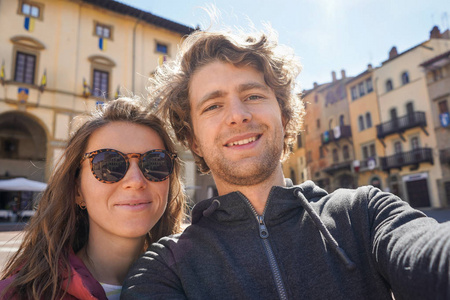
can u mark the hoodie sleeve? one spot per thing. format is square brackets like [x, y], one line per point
[153, 275]
[411, 250]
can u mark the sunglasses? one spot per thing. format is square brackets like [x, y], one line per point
[110, 166]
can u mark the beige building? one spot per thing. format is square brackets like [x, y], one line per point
[328, 135]
[406, 127]
[438, 79]
[364, 115]
[61, 58]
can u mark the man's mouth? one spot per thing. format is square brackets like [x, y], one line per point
[243, 141]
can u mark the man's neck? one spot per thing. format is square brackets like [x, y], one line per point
[257, 194]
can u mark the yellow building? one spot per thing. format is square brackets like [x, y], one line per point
[60, 59]
[438, 79]
[406, 123]
[364, 114]
[295, 166]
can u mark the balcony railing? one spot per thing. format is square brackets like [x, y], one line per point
[369, 164]
[336, 167]
[336, 134]
[413, 157]
[397, 125]
[444, 156]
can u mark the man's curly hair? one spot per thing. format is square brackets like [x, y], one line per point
[169, 87]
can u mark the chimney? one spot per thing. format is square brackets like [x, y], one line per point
[315, 84]
[393, 53]
[343, 74]
[333, 76]
[369, 67]
[435, 33]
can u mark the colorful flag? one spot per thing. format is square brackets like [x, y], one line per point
[102, 44]
[117, 94]
[86, 89]
[162, 59]
[43, 81]
[2, 73]
[29, 24]
[22, 95]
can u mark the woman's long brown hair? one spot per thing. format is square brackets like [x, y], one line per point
[60, 226]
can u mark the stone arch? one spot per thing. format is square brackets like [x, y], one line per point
[23, 146]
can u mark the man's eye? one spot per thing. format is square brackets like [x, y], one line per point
[254, 97]
[212, 107]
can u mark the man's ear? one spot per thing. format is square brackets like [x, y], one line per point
[195, 147]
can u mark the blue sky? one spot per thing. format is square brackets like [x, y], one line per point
[327, 35]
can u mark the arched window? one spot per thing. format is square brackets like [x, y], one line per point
[389, 85]
[341, 120]
[335, 155]
[405, 77]
[345, 152]
[361, 123]
[368, 120]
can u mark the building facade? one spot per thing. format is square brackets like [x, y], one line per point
[438, 80]
[364, 115]
[62, 58]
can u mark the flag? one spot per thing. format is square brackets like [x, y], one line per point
[29, 24]
[86, 89]
[162, 59]
[117, 94]
[102, 44]
[2, 73]
[43, 81]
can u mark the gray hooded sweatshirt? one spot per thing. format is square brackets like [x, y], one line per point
[350, 244]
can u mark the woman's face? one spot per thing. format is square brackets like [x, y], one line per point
[130, 207]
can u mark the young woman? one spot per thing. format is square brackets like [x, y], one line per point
[116, 190]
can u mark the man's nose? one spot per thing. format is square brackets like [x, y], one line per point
[238, 112]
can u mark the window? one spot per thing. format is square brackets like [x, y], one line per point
[100, 85]
[361, 123]
[354, 93]
[345, 152]
[389, 85]
[31, 9]
[415, 143]
[321, 152]
[318, 123]
[372, 150]
[405, 78]
[299, 141]
[443, 108]
[103, 31]
[409, 108]
[161, 48]
[309, 157]
[365, 152]
[369, 86]
[437, 74]
[368, 120]
[397, 147]
[335, 155]
[362, 92]
[25, 68]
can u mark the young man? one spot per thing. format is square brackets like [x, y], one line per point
[230, 100]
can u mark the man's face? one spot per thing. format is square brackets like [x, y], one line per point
[237, 123]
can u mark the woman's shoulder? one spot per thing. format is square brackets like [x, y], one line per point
[4, 284]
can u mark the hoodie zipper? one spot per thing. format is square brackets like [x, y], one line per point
[264, 234]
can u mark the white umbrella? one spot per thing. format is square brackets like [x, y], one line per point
[21, 185]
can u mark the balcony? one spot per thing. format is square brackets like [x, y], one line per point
[369, 164]
[444, 156]
[335, 134]
[337, 167]
[399, 125]
[399, 160]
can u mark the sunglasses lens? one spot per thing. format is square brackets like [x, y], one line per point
[156, 165]
[109, 166]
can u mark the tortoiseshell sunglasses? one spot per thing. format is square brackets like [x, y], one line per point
[110, 166]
